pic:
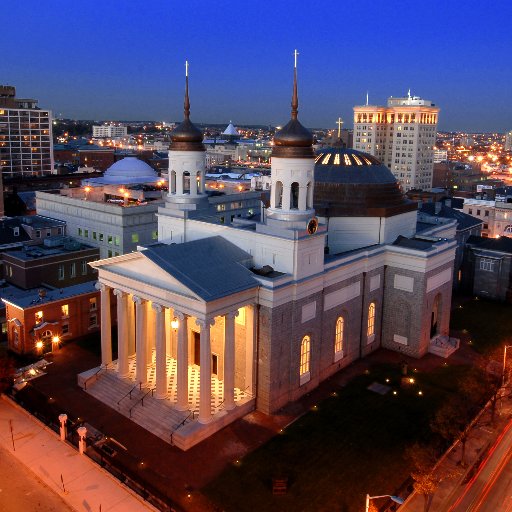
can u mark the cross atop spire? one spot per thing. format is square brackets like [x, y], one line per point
[295, 96]
[187, 100]
[339, 122]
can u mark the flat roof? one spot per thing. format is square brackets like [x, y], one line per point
[31, 298]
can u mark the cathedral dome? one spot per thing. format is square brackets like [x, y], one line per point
[187, 132]
[129, 170]
[349, 183]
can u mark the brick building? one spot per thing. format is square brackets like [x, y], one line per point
[38, 321]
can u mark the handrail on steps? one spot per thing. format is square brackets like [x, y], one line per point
[141, 400]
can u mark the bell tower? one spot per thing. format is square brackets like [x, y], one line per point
[292, 170]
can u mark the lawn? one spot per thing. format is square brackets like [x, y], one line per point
[350, 444]
[488, 323]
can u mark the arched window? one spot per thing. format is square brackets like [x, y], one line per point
[508, 230]
[186, 182]
[279, 195]
[172, 184]
[305, 353]
[294, 196]
[371, 320]
[338, 339]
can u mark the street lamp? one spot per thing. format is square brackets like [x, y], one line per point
[504, 364]
[396, 499]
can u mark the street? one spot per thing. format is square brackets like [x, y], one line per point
[490, 489]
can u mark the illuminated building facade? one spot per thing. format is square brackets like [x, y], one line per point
[402, 136]
[26, 145]
[221, 319]
[109, 131]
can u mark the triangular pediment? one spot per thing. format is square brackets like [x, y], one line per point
[145, 271]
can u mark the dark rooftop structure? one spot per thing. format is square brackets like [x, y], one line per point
[350, 183]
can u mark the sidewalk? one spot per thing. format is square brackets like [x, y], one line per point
[481, 438]
[87, 486]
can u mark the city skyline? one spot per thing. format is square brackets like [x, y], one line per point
[100, 61]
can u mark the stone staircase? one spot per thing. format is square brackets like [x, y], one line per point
[443, 346]
[157, 416]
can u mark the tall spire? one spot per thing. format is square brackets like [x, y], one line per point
[187, 100]
[295, 96]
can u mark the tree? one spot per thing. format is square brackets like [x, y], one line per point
[423, 459]
[453, 421]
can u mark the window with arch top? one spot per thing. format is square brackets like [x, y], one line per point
[371, 320]
[305, 357]
[338, 338]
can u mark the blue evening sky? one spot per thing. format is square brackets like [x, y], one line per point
[124, 59]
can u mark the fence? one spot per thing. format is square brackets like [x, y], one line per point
[132, 472]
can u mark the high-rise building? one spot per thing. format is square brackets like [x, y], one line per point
[109, 131]
[508, 141]
[26, 145]
[402, 135]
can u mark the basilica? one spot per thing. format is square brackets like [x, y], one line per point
[224, 315]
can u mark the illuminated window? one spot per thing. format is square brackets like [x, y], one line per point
[39, 317]
[337, 159]
[358, 162]
[135, 238]
[92, 303]
[318, 157]
[326, 159]
[65, 309]
[371, 320]
[240, 319]
[347, 160]
[338, 340]
[305, 353]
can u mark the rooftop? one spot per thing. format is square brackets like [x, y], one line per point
[32, 298]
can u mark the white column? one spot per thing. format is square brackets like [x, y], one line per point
[160, 359]
[250, 329]
[205, 380]
[140, 340]
[201, 182]
[303, 193]
[182, 363]
[229, 360]
[193, 183]
[287, 194]
[179, 183]
[149, 335]
[167, 327]
[122, 335]
[130, 328]
[106, 331]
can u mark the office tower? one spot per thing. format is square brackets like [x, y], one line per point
[402, 135]
[109, 131]
[26, 146]
[508, 141]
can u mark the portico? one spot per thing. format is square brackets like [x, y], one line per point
[169, 333]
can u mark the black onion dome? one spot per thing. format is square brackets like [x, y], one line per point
[350, 183]
[293, 140]
[186, 136]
